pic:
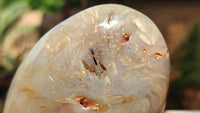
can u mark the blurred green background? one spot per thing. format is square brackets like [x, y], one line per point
[23, 22]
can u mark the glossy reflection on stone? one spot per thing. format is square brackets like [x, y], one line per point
[105, 59]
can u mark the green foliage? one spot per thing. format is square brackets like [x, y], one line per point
[46, 5]
[189, 65]
[43, 5]
[11, 61]
[9, 14]
[74, 3]
[1, 4]
[190, 60]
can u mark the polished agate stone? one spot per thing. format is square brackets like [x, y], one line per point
[105, 59]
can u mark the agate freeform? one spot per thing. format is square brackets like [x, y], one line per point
[106, 59]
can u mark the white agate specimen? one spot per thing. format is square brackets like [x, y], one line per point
[105, 59]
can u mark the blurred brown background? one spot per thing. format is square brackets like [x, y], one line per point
[23, 22]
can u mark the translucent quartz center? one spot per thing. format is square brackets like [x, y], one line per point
[105, 59]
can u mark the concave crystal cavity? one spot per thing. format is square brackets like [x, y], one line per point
[105, 59]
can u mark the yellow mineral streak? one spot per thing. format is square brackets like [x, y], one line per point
[127, 100]
[30, 92]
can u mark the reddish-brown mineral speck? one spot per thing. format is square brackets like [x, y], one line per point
[124, 39]
[90, 68]
[110, 17]
[99, 51]
[89, 103]
[94, 59]
[158, 55]
[102, 66]
[42, 106]
[85, 102]
[145, 50]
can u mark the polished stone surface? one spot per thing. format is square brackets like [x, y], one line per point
[105, 59]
